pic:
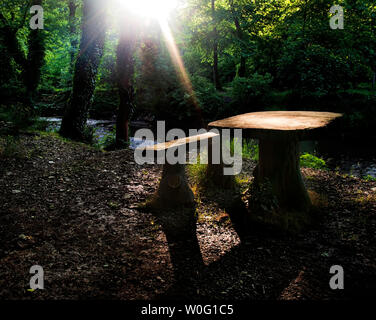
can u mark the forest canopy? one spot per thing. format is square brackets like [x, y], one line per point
[222, 56]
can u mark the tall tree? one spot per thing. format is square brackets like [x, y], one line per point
[215, 48]
[86, 68]
[35, 58]
[239, 34]
[32, 62]
[125, 66]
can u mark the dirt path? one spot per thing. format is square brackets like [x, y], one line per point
[73, 210]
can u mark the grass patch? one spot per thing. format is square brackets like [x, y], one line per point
[308, 160]
[56, 135]
[197, 172]
[369, 178]
[250, 149]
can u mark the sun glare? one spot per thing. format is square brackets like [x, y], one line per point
[158, 9]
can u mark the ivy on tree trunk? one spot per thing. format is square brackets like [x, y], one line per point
[86, 68]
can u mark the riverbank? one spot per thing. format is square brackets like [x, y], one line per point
[74, 210]
[339, 155]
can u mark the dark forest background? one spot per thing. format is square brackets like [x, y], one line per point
[94, 59]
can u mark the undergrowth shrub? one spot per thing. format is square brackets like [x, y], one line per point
[311, 161]
[250, 93]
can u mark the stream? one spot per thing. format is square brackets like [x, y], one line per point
[347, 159]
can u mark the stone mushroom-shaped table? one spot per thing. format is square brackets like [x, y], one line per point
[279, 133]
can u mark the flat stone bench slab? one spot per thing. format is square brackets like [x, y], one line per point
[173, 190]
[180, 142]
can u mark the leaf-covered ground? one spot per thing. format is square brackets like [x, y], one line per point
[74, 211]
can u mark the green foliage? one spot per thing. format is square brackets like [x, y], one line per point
[210, 101]
[108, 141]
[311, 161]
[57, 71]
[250, 149]
[197, 172]
[313, 71]
[288, 48]
[160, 90]
[52, 104]
[88, 135]
[40, 125]
[105, 104]
[249, 93]
[369, 178]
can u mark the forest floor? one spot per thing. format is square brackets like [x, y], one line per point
[75, 211]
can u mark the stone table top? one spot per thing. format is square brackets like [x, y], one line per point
[262, 123]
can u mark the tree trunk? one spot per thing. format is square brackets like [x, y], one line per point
[32, 63]
[12, 44]
[215, 49]
[91, 51]
[35, 59]
[125, 74]
[239, 33]
[241, 72]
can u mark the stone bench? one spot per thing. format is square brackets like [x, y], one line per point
[173, 189]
